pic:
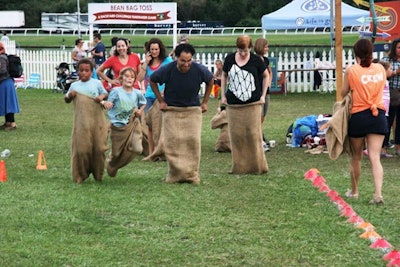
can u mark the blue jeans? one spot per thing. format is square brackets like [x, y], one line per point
[149, 103]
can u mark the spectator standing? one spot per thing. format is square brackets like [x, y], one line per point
[365, 82]
[261, 48]
[183, 39]
[5, 38]
[78, 52]
[217, 78]
[8, 96]
[99, 51]
[394, 88]
[123, 57]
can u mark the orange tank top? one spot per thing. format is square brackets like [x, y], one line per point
[366, 85]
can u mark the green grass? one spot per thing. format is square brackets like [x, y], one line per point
[277, 219]
[202, 41]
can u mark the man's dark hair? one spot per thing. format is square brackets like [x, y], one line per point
[187, 48]
[97, 35]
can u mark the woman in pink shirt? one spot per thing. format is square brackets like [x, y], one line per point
[123, 57]
[365, 81]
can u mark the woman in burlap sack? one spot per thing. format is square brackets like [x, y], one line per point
[125, 105]
[182, 113]
[156, 57]
[248, 80]
[90, 130]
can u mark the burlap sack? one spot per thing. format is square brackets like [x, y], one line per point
[181, 132]
[145, 142]
[244, 122]
[154, 122]
[89, 139]
[126, 144]
[220, 121]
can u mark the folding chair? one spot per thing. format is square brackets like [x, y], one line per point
[19, 82]
[33, 82]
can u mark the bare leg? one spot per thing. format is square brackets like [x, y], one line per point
[357, 145]
[374, 147]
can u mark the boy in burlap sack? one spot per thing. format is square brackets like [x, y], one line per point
[125, 105]
[182, 113]
[248, 82]
[90, 129]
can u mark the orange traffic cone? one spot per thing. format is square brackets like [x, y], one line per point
[3, 174]
[40, 165]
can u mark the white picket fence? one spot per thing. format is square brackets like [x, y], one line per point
[44, 63]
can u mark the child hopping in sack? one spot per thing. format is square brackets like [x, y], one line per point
[125, 105]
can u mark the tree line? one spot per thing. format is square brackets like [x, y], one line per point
[230, 12]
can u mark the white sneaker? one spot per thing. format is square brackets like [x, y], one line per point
[265, 146]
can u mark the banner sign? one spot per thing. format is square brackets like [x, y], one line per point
[392, 26]
[132, 13]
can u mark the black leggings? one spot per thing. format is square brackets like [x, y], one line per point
[10, 117]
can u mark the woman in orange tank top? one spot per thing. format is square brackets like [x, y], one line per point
[365, 81]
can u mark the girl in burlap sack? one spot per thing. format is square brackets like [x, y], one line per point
[90, 130]
[125, 105]
[248, 82]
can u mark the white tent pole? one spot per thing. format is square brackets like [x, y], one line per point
[332, 4]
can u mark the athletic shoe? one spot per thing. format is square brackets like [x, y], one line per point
[376, 200]
[365, 152]
[265, 146]
[386, 155]
[350, 195]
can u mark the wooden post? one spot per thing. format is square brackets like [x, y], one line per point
[338, 48]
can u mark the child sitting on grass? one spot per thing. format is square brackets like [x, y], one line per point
[90, 128]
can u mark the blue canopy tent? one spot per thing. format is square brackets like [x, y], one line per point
[303, 14]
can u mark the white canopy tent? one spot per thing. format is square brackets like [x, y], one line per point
[303, 14]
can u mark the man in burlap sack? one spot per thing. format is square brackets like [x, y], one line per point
[90, 130]
[248, 82]
[182, 113]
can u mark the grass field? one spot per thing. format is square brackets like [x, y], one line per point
[277, 219]
[280, 40]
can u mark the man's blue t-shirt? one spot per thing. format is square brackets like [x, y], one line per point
[100, 47]
[182, 89]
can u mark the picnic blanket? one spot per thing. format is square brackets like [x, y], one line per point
[181, 134]
[89, 139]
[244, 122]
[126, 145]
[220, 120]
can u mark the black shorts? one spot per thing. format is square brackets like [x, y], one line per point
[363, 123]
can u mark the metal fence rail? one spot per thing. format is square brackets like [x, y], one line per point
[169, 31]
